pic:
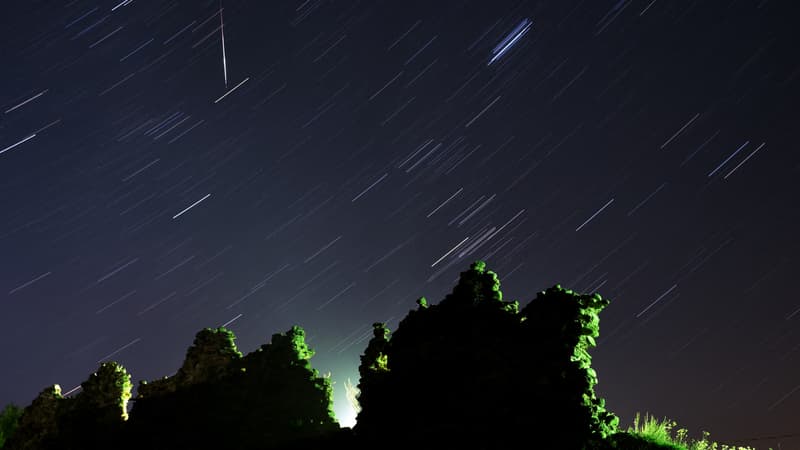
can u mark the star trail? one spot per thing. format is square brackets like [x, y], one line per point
[164, 169]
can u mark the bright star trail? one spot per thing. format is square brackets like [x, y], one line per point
[359, 155]
[500, 49]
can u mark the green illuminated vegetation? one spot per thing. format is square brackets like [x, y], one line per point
[473, 371]
[9, 419]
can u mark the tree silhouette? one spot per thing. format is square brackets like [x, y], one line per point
[266, 399]
[208, 359]
[9, 420]
[471, 372]
[474, 369]
[372, 371]
[38, 424]
[97, 413]
[281, 395]
[563, 325]
[106, 393]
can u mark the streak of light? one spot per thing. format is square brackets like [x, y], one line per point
[154, 305]
[388, 254]
[319, 308]
[231, 321]
[116, 84]
[119, 350]
[780, 400]
[67, 394]
[646, 199]
[114, 272]
[594, 215]
[141, 170]
[232, 89]
[743, 161]
[96, 43]
[55, 122]
[186, 131]
[680, 131]
[136, 50]
[370, 187]
[728, 159]
[191, 206]
[397, 41]
[121, 4]
[386, 85]
[445, 202]
[449, 252]
[657, 300]
[18, 143]
[171, 38]
[81, 18]
[174, 268]
[325, 247]
[646, 8]
[414, 154]
[477, 242]
[23, 286]
[408, 61]
[222, 34]
[476, 210]
[482, 111]
[27, 101]
[507, 223]
[425, 156]
[510, 40]
[115, 302]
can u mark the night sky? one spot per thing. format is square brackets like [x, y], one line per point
[326, 163]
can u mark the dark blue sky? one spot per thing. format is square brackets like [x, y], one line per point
[640, 149]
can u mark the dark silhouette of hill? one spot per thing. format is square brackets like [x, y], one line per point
[473, 371]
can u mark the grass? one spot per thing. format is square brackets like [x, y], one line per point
[657, 432]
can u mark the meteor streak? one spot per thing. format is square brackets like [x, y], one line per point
[222, 33]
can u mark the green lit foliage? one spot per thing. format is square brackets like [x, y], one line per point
[280, 374]
[208, 359]
[650, 433]
[9, 420]
[38, 424]
[374, 358]
[107, 392]
[265, 399]
[475, 286]
[373, 369]
[563, 325]
[97, 413]
[485, 373]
